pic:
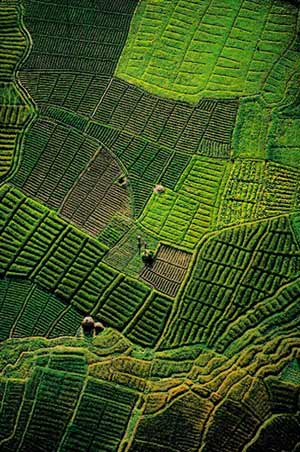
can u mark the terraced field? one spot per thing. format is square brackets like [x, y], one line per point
[149, 179]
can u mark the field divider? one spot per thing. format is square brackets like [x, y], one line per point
[107, 292]
[53, 246]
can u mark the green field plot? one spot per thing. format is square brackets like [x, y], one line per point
[80, 93]
[283, 145]
[182, 216]
[121, 302]
[258, 189]
[50, 405]
[187, 50]
[230, 277]
[41, 247]
[149, 179]
[26, 310]
[124, 254]
[66, 394]
[147, 326]
[250, 135]
[168, 270]
[146, 163]
[154, 432]
[278, 313]
[115, 405]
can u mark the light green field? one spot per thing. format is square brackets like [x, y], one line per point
[183, 216]
[186, 50]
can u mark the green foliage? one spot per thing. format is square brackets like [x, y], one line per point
[283, 146]
[107, 31]
[147, 326]
[26, 310]
[251, 131]
[47, 171]
[187, 50]
[214, 321]
[258, 189]
[59, 258]
[125, 255]
[236, 269]
[15, 109]
[13, 39]
[183, 216]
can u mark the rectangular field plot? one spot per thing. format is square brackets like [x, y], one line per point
[76, 92]
[122, 302]
[182, 216]
[168, 271]
[55, 399]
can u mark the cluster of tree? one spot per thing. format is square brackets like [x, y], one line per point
[90, 327]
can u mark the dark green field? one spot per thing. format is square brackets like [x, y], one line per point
[150, 178]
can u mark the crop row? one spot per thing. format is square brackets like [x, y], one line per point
[14, 111]
[13, 41]
[120, 304]
[125, 254]
[12, 393]
[182, 216]
[54, 407]
[43, 248]
[159, 431]
[258, 189]
[54, 157]
[26, 310]
[77, 92]
[188, 50]
[148, 326]
[62, 391]
[168, 271]
[269, 315]
[97, 196]
[147, 163]
[8, 140]
[205, 128]
[86, 38]
[235, 270]
[105, 431]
